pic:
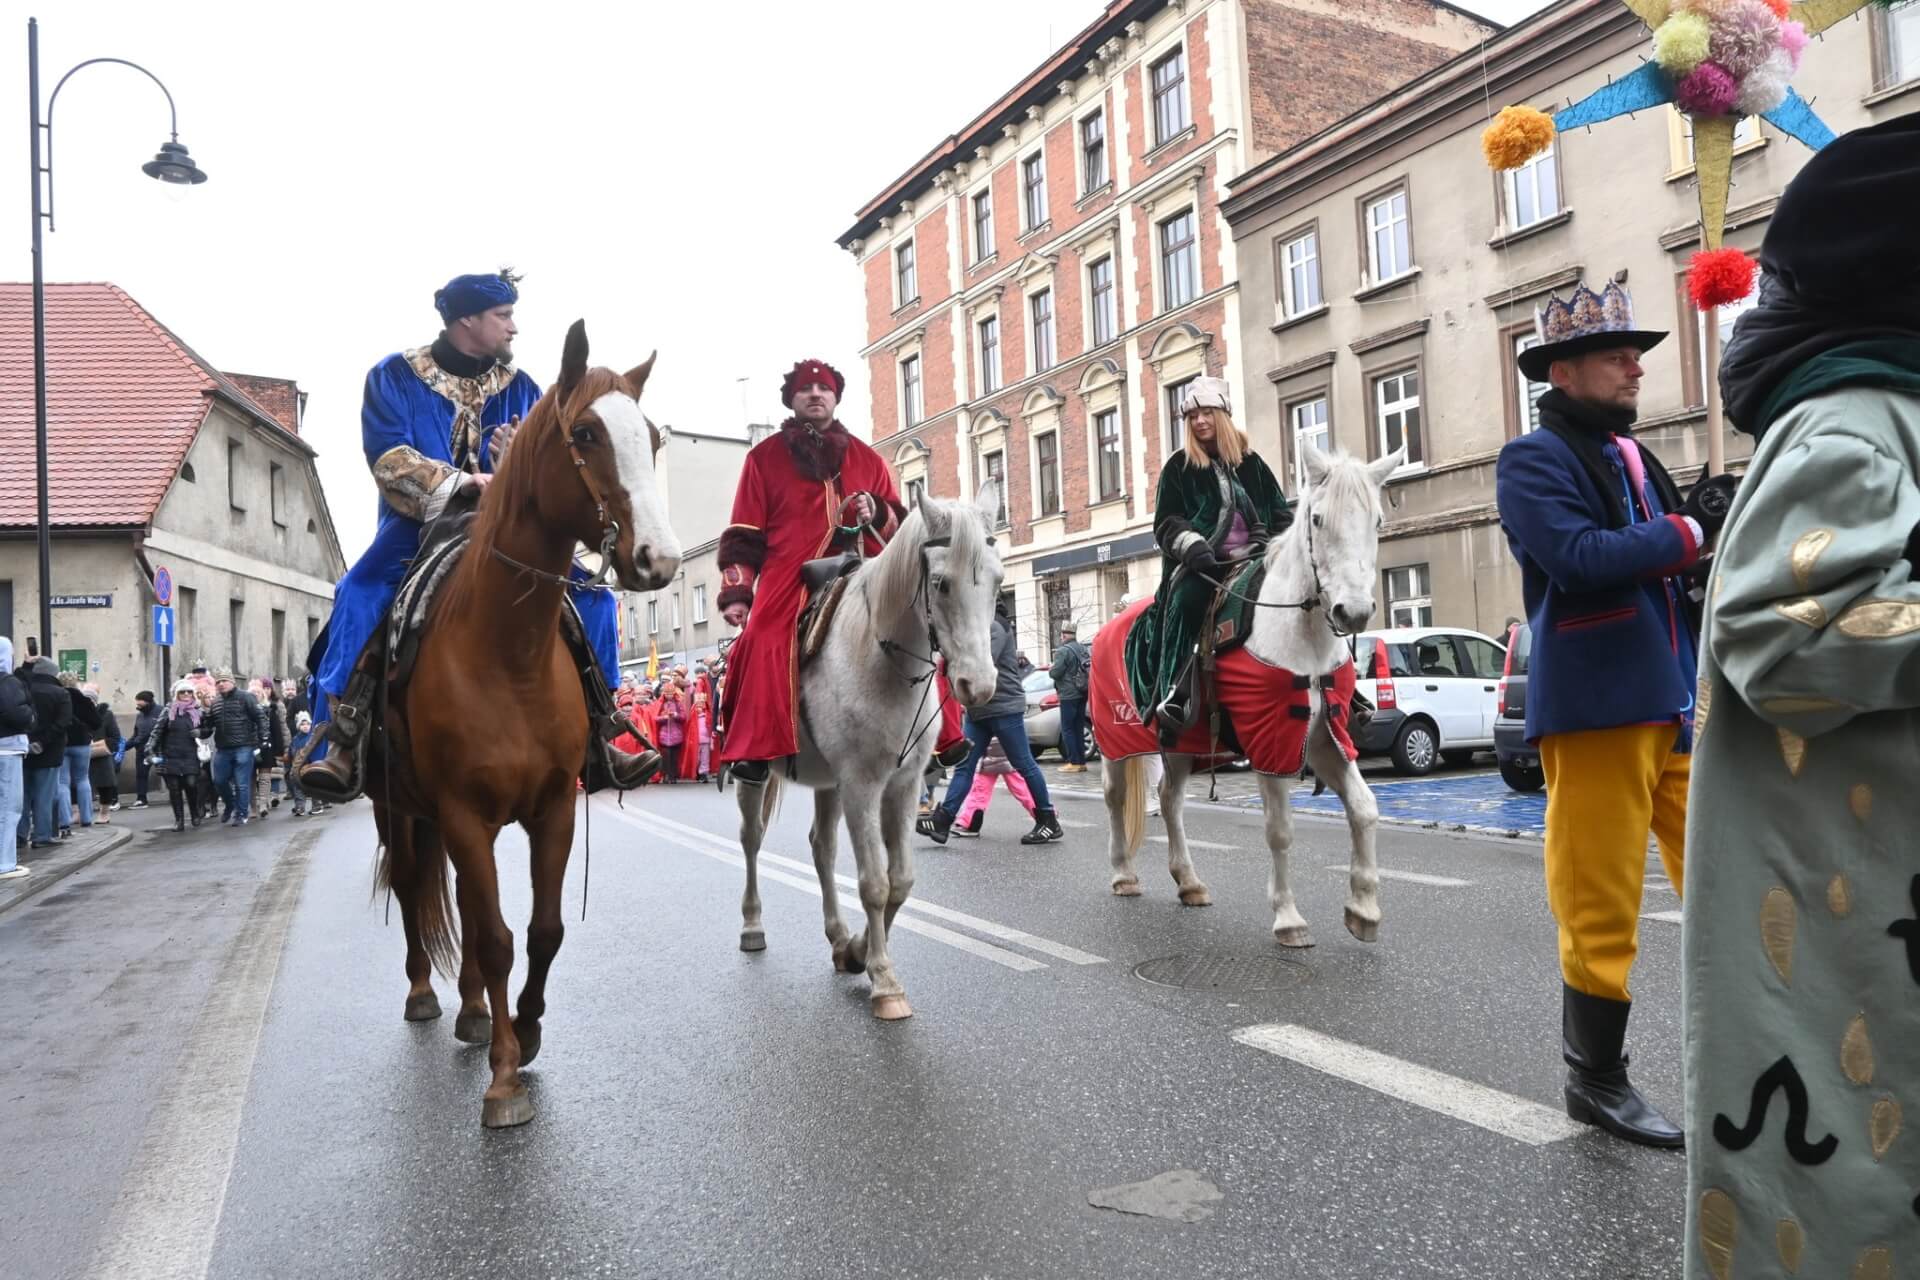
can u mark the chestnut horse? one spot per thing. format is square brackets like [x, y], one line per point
[580, 470]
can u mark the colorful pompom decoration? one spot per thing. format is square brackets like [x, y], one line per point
[1681, 44]
[1517, 135]
[1766, 86]
[1744, 38]
[1793, 39]
[1780, 7]
[1708, 91]
[1719, 277]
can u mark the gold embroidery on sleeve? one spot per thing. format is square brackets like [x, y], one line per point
[1884, 1125]
[1806, 611]
[1860, 800]
[1793, 749]
[1880, 619]
[1839, 896]
[1791, 1240]
[1806, 550]
[1776, 931]
[407, 479]
[1856, 1051]
[1718, 1219]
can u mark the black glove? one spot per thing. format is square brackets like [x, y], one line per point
[1199, 558]
[1709, 503]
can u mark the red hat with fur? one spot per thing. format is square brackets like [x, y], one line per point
[808, 372]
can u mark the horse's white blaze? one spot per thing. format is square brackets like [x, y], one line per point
[633, 461]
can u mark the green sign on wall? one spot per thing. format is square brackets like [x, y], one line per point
[74, 660]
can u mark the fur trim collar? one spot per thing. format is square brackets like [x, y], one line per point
[817, 454]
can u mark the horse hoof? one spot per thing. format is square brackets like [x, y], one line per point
[1298, 936]
[424, 1007]
[845, 961]
[891, 1008]
[753, 939]
[1362, 928]
[1196, 896]
[505, 1113]
[473, 1028]
[1127, 889]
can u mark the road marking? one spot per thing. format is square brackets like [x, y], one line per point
[169, 1206]
[1664, 917]
[1199, 844]
[1489, 1109]
[1412, 877]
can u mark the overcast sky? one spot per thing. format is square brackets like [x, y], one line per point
[676, 175]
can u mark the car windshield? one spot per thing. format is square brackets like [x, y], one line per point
[1400, 659]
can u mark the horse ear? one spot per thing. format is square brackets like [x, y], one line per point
[1319, 466]
[1379, 469]
[573, 357]
[988, 500]
[933, 516]
[638, 374]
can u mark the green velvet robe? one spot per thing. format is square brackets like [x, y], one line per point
[1186, 505]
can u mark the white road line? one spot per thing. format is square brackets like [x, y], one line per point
[1413, 877]
[1664, 917]
[1490, 1109]
[959, 941]
[162, 1226]
[1197, 844]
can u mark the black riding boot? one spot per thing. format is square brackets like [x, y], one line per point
[1046, 828]
[1598, 1092]
[337, 778]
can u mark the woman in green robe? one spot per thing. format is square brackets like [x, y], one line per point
[1216, 505]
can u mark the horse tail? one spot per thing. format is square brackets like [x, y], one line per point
[413, 862]
[1133, 800]
[770, 801]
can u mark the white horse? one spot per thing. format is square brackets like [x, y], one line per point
[1327, 560]
[869, 714]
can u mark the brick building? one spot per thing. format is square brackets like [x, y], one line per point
[1042, 284]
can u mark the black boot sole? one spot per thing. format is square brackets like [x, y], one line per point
[1582, 1109]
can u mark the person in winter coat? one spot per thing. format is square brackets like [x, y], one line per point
[174, 748]
[46, 748]
[1003, 718]
[146, 714]
[268, 761]
[672, 732]
[76, 778]
[994, 769]
[106, 751]
[1071, 663]
[16, 722]
[237, 723]
[302, 733]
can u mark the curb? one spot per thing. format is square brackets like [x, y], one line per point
[39, 884]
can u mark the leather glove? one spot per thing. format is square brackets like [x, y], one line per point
[1199, 558]
[1709, 503]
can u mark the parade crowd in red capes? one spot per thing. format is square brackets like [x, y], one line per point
[673, 712]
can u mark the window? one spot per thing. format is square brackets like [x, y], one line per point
[1059, 593]
[234, 455]
[674, 603]
[1389, 238]
[653, 616]
[1300, 274]
[700, 603]
[904, 276]
[186, 472]
[1100, 296]
[1899, 42]
[1033, 189]
[1409, 598]
[1046, 451]
[313, 638]
[1482, 658]
[279, 655]
[1176, 425]
[236, 627]
[1179, 261]
[989, 354]
[982, 225]
[1528, 392]
[916, 490]
[1106, 445]
[1040, 307]
[910, 389]
[277, 492]
[188, 630]
[1169, 97]
[1308, 421]
[996, 471]
[1680, 128]
[1396, 407]
[1533, 190]
[1093, 152]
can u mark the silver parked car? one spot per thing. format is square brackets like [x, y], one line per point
[1043, 716]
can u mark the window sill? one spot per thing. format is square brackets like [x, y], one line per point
[1685, 172]
[1104, 189]
[1411, 471]
[1501, 239]
[1312, 313]
[989, 260]
[907, 306]
[1113, 501]
[1185, 135]
[1371, 291]
[1037, 233]
[1888, 94]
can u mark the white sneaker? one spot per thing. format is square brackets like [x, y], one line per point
[16, 873]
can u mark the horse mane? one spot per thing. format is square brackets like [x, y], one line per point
[512, 487]
[891, 579]
[1346, 480]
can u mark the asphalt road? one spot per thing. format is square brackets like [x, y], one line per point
[208, 1073]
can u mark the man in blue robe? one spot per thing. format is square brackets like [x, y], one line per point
[434, 420]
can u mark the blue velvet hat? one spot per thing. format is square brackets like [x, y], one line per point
[1586, 321]
[470, 295]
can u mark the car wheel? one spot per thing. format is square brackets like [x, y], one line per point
[1521, 778]
[1458, 758]
[1416, 749]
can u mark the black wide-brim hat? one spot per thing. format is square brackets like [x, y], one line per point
[1536, 360]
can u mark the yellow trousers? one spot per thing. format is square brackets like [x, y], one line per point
[1606, 789]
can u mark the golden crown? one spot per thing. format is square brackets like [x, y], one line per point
[1583, 314]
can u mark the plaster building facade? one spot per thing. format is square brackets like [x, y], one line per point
[1389, 278]
[1042, 284]
[157, 460]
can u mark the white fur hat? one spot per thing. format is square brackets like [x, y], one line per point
[1207, 393]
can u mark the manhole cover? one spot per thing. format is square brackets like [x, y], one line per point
[1223, 973]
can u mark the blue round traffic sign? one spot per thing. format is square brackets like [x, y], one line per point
[163, 585]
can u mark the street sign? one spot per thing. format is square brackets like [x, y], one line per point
[163, 586]
[163, 626]
[83, 602]
[74, 660]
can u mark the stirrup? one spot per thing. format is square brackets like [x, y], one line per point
[751, 773]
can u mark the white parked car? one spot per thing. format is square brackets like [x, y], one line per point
[1436, 691]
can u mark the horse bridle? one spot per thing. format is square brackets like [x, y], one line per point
[1318, 600]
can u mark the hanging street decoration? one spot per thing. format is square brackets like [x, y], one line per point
[1716, 61]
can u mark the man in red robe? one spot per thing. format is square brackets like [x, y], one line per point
[806, 492]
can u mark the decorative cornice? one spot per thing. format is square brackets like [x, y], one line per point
[1322, 361]
[1373, 342]
[916, 336]
[1564, 278]
[1744, 216]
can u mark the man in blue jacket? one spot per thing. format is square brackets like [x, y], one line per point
[1606, 548]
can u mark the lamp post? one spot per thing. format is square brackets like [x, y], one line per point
[172, 165]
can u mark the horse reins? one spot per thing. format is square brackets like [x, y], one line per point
[889, 648]
[1317, 600]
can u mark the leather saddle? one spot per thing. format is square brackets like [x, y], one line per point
[825, 581]
[1227, 624]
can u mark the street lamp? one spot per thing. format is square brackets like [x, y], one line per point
[172, 165]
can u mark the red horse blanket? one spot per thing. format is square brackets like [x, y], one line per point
[1269, 707]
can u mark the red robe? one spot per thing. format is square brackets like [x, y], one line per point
[785, 512]
[698, 718]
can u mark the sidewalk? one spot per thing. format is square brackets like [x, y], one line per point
[56, 862]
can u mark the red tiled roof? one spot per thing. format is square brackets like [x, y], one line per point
[124, 400]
